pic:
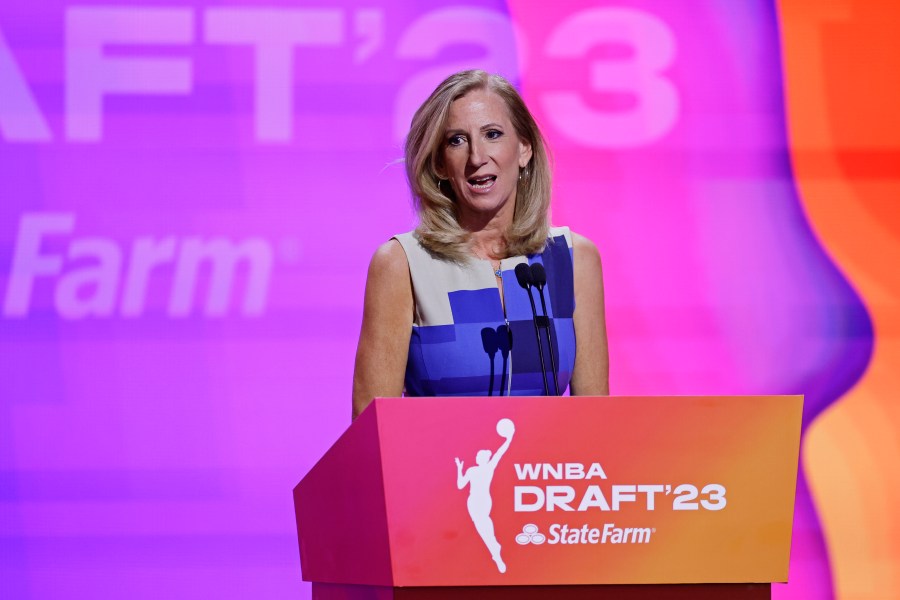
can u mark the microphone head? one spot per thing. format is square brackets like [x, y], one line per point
[523, 275]
[490, 340]
[538, 274]
[504, 341]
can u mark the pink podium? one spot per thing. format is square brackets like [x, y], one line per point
[573, 497]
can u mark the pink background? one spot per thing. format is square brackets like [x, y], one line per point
[155, 413]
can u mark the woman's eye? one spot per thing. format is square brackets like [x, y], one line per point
[493, 134]
[456, 140]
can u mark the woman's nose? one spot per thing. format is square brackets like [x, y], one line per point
[476, 153]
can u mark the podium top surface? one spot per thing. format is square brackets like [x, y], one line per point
[549, 491]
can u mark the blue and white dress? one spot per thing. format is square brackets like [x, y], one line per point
[463, 344]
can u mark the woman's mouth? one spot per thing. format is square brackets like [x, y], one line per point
[482, 183]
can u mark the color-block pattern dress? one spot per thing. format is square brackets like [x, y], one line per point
[463, 344]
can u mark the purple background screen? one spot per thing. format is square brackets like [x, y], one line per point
[191, 193]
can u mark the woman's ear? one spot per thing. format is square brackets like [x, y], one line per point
[524, 154]
[437, 167]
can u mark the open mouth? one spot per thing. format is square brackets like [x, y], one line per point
[483, 183]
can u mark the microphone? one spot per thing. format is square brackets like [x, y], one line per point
[524, 276]
[490, 344]
[539, 280]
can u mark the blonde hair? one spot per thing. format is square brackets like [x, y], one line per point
[439, 230]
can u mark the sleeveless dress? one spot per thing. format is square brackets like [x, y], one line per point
[463, 344]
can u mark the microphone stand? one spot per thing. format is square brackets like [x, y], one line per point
[539, 280]
[523, 276]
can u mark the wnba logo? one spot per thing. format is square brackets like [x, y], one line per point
[479, 478]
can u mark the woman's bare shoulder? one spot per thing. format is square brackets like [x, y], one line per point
[389, 262]
[585, 251]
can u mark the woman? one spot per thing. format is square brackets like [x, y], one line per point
[443, 302]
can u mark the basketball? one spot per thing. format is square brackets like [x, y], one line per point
[505, 427]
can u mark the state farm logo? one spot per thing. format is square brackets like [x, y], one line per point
[530, 535]
[101, 277]
[561, 533]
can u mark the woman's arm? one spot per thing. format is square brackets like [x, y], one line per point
[461, 481]
[495, 459]
[591, 374]
[386, 328]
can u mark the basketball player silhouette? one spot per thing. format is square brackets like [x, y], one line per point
[479, 479]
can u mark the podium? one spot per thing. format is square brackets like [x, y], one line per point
[544, 497]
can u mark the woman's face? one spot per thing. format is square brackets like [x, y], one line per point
[482, 155]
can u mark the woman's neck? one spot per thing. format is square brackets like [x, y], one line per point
[488, 233]
[489, 242]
